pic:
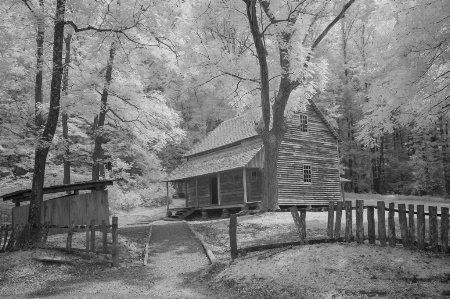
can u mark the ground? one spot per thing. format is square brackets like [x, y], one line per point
[338, 270]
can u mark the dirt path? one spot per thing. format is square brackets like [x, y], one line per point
[177, 256]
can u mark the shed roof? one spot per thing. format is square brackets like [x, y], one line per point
[24, 195]
[221, 161]
[239, 128]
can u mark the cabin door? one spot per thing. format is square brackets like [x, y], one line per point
[214, 191]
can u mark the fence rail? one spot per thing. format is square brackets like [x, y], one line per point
[412, 226]
[10, 234]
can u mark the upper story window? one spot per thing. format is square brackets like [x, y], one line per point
[303, 123]
[307, 173]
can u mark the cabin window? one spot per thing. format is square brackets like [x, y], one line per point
[303, 123]
[254, 176]
[236, 179]
[307, 173]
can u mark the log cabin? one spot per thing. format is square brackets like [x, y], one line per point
[225, 169]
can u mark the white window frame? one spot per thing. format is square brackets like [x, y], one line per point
[303, 125]
[305, 168]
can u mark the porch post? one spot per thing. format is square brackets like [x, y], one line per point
[167, 188]
[219, 197]
[244, 178]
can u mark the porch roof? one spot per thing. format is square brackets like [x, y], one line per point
[215, 162]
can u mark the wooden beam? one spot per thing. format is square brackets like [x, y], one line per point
[244, 178]
[218, 190]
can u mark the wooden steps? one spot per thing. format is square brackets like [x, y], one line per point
[181, 213]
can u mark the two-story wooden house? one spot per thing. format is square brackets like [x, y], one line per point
[224, 170]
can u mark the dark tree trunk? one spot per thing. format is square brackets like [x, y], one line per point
[41, 152]
[38, 119]
[445, 154]
[97, 155]
[65, 116]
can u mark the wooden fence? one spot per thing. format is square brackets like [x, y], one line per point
[414, 230]
[9, 237]
[63, 211]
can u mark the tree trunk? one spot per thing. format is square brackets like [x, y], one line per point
[65, 116]
[97, 155]
[445, 155]
[42, 148]
[38, 119]
[270, 172]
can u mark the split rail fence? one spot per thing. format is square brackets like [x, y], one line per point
[412, 225]
[10, 237]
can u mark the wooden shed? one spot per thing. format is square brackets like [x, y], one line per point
[63, 210]
[225, 168]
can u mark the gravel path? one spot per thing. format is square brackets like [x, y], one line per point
[177, 256]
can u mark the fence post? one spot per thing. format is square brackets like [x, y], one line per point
[87, 239]
[6, 237]
[105, 236]
[46, 229]
[420, 227]
[297, 222]
[412, 229]
[10, 245]
[360, 221]
[433, 228]
[337, 226]
[348, 222]
[444, 229]
[381, 223]
[92, 235]
[69, 238]
[115, 248]
[391, 225]
[303, 225]
[403, 224]
[233, 240]
[371, 224]
[330, 230]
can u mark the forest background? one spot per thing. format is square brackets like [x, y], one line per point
[144, 81]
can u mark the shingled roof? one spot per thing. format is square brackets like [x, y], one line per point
[228, 132]
[229, 159]
[239, 128]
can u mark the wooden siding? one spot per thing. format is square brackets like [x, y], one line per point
[192, 194]
[317, 148]
[204, 197]
[254, 188]
[232, 192]
[81, 209]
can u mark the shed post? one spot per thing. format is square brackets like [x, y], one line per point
[186, 196]
[196, 190]
[219, 197]
[244, 178]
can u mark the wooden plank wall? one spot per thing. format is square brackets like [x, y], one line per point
[81, 209]
[192, 193]
[254, 189]
[232, 192]
[204, 198]
[317, 148]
